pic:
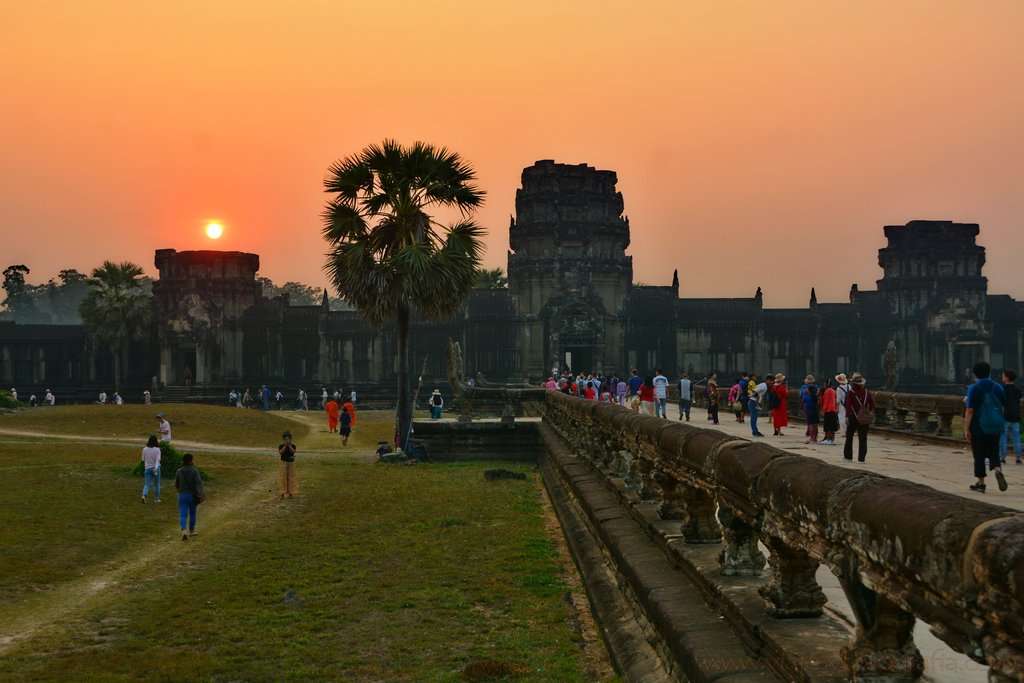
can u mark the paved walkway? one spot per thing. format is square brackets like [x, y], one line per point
[946, 468]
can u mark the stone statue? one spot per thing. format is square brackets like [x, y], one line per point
[456, 367]
[890, 366]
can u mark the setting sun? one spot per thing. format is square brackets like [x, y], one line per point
[214, 230]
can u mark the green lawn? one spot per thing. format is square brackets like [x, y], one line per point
[374, 572]
[189, 422]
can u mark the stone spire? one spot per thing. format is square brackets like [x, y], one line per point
[325, 302]
[759, 296]
[814, 298]
[675, 280]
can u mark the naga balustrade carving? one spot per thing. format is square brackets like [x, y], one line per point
[900, 550]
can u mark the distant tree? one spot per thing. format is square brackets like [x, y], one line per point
[387, 254]
[491, 279]
[63, 299]
[300, 294]
[117, 309]
[20, 301]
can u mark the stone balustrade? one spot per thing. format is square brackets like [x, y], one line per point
[900, 550]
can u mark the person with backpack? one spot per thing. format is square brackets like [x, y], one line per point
[1012, 415]
[984, 422]
[860, 411]
[734, 400]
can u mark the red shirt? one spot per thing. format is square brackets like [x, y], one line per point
[646, 393]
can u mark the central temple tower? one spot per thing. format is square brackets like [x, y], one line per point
[568, 271]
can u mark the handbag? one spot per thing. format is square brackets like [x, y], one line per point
[737, 406]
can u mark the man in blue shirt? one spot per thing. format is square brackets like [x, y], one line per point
[985, 403]
[634, 382]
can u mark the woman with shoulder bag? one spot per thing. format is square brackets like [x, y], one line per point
[190, 494]
[860, 412]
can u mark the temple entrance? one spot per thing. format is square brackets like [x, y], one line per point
[184, 358]
[578, 358]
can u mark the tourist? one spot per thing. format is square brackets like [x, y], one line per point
[33, 401]
[551, 383]
[745, 386]
[646, 395]
[49, 399]
[247, 399]
[711, 394]
[805, 389]
[233, 398]
[265, 397]
[279, 399]
[102, 400]
[811, 410]
[345, 424]
[778, 403]
[14, 394]
[685, 396]
[842, 390]
[188, 376]
[984, 423]
[606, 394]
[634, 383]
[1011, 414]
[830, 412]
[436, 404]
[302, 401]
[860, 411]
[332, 415]
[163, 428]
[352, 397]
[323, 398]
[589, 392]
[189, 484]
[621, 391]
[118, 401]
[287, 452]
[147, 398]
[151, 467]
[754, 398]
[734, 398]
[660, 394]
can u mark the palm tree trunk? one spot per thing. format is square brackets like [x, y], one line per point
[117, 369]
[404, 408]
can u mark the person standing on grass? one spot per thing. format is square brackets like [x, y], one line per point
[436, 405]
[860, 408]
[164, 427]
[151, 463]
[350, 408]
[287, 452]
[190, 494]
[332, 415]
[984, 422]
[1011, 413]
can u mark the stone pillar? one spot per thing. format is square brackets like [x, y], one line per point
[740, 556]
[883, 646]
[921, 421]
[945, 427]
[165, 365]
[792, 590]
[202, 364]
[699, 523]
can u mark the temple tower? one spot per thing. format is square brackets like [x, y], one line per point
[568, 271]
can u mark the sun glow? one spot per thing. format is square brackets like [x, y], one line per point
[214, 230]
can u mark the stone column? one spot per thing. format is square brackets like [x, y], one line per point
[698, 512]
[945, 427]
[921, 421]
[202, 363]
[883, 646]
[792, 590]
[740, 556]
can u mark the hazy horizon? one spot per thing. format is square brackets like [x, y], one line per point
[741, 133]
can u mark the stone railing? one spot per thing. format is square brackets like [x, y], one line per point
[899, 550]
[920, 413]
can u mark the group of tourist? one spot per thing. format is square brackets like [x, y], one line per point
[48, 399]
[103, 399]
[991, 421]
[647, 395]
[340, 419]
[187, 481]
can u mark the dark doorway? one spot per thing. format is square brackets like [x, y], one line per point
[578, 358]
[185, 358]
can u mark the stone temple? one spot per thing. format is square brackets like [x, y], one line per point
[931, 306]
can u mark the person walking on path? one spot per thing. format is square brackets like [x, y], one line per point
[778, 402]
[712, 395]
[842, 390]
[345, 426]
[151, 465]
[811, 411]
[332, 415]
[164, 427]
[830, 412]
[190, 494]
[436, 405]
[756, 395]
[660, 394]
[621, 389]
[1012, 415]
[685, 396]
[647, 396]
[860, 411]
[984, 422]
[350, 408]
[289, 487]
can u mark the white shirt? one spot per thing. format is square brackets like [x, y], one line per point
[50, 398]
[14, 394]
[660, 386]
[165, 430]
[841, 392]
[353, 397]
[151, 456]
[759, 391]
[103, 397]
[118, 401]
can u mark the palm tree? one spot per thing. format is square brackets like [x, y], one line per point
[117, 309]
[388, 255]
[493, 278]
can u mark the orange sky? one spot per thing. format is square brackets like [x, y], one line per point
[762, 133]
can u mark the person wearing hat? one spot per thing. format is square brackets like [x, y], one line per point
[436, 404]
[289, 487]
[860, 410]
[842, 390]
[711, 393]
[780, 405]
[164, 427]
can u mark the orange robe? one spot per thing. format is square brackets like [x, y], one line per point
[351, 410]
[332, 415]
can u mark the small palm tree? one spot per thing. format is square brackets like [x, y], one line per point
[117, 309]
[388, 255]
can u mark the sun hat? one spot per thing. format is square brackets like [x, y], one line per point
[857, 379]
[436, 392]
[841, 378]
[809, 379]
[159, 415]
[780, 377]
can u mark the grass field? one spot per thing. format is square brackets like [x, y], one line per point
[373, 573]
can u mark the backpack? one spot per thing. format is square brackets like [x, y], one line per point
[863, 415]
[990, 415]
[773, 399]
